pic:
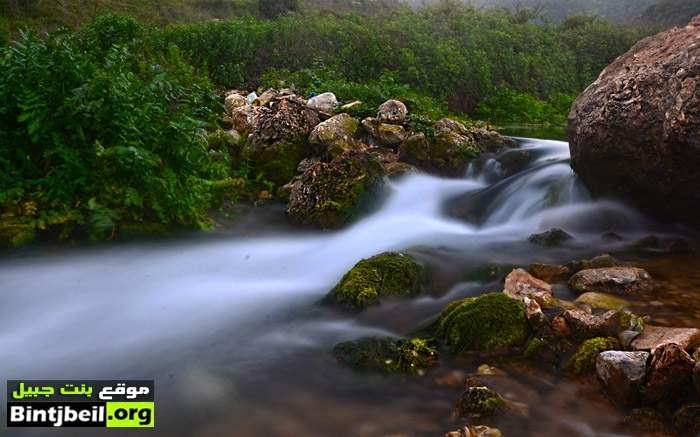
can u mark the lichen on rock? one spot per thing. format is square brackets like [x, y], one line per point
[389, 274]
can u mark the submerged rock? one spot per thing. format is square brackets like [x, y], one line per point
[387, 355]
[520, 284]
[393, 112]
[615, 280]
[696, 377]
[670, 374]
[278, 141]
[584, 360]
[549, 272]
[480, 401]
[329, 195]
[585, 325]
[386, 275]
[602, 301]
[551, 238]
[687, 419]
[650, 420]
[635, 132]
[598, 262]
[335, 135]
[654, 337]
[491, 322]
[622, 375]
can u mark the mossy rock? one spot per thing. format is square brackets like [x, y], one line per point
[490, 273]
[279, 164]
[602, 301]
[583, 361]
[492, 322]
[387, 355]
[16, 235]
[480, 401]
[450, 153]
[386, 275]
[548, 347]
[330, 195]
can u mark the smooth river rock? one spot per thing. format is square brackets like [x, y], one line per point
[635, 132]
[520, 284]
[614, 280]
[655, 336]
[622, 374]
[670, 374]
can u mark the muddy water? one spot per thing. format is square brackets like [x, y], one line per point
[230, 330]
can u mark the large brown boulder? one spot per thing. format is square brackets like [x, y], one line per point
[635, 132]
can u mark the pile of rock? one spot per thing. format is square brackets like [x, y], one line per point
[637, 364]
[306, 146]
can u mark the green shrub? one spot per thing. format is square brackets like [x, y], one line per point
[98, 141]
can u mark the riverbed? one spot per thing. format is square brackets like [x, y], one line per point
[229, 327]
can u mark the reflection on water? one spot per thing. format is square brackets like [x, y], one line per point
[231, 333]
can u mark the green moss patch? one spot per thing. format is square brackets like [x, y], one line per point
[490, 322]
[583, 360]
[384, 275]
[387, 355]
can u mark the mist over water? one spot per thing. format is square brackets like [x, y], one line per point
[230, 327]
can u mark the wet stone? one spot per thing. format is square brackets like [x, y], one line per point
[621, 281]
[622, 374]
[549, 272]
[551, 238]
[520, 284]
[656, 336]
[585, 325]
[670, 374]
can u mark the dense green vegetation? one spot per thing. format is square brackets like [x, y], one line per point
[106, 126]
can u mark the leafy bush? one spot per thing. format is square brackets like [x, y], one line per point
[99, 141]
[510, 106]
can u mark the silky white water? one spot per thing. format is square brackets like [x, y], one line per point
[153, 310]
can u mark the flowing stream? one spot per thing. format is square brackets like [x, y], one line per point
[230, 330]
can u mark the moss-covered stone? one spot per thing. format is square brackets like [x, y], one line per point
[278, 164]
[335, 135]
[385, 275]
[583, 361]
[278, 140]
[329, 195]
[491, 322]
[480, 401]
[490, 273]
[602, 301]
[548, 346]
[16, 235]
[387, 355]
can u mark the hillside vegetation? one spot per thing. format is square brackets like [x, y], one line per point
[107, 126]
